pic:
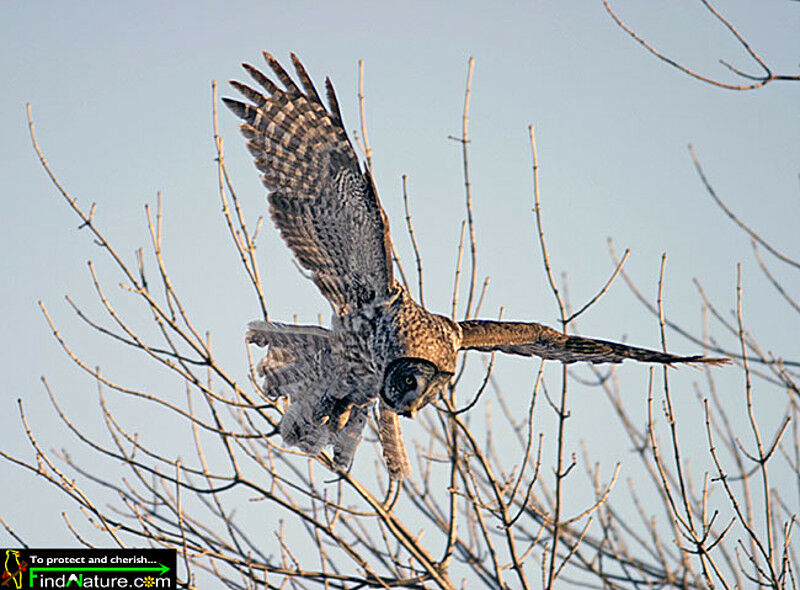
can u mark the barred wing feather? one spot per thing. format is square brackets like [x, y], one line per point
[326, 209]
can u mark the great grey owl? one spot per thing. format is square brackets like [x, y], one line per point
[381, 345]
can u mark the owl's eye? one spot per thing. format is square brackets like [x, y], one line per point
[407, 383]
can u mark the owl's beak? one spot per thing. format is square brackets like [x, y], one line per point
[435, 387]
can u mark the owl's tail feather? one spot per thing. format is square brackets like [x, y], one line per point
[298, 364]
[295, 360]
[294, 366]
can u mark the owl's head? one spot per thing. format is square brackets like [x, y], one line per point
[410, 384]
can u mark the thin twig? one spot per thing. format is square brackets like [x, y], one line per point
[758, 81]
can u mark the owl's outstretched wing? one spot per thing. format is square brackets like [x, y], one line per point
[530, 339]
[326, 208]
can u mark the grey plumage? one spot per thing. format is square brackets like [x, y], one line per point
[381, 344]
[298, 364]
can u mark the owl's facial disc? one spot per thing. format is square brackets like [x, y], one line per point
[410, 384]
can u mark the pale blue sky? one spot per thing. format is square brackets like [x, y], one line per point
[121, 101]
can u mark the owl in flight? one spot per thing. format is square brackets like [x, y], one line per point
[382, 346]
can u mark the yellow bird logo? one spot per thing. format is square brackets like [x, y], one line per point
[12, 569]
